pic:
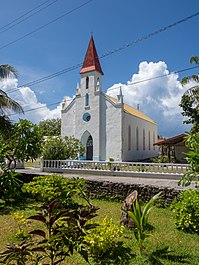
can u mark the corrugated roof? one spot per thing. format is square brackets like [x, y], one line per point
[130, 110]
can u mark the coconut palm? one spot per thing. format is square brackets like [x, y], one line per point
[190, 99]
[7, 103]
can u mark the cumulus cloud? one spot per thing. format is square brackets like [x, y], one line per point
[158, 98]
[26, 97]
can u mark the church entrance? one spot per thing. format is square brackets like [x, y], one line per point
[89, 148]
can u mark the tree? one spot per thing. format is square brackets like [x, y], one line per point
[6, 103]
[57, 148]
[190, 99]
[50, 127]
[24, 142]
[192, 141]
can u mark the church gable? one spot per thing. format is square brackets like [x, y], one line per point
[106, 126]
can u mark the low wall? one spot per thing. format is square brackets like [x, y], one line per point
[119, 191]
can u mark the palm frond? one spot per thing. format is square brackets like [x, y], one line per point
[7, 103]
[7, 71]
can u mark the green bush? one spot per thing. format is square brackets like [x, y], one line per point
[60, 148]
[186, 211]
[48, 188]
[102, 239]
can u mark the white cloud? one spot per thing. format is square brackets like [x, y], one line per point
[28, 100]
[158, 98]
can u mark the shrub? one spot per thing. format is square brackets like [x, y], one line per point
[103, 238]
[56, 187]
[10, 185]
[186, 211]
[59, 148]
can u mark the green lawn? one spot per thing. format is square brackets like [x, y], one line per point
[184, 248]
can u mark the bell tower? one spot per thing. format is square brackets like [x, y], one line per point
[91, 71]
[89, 104]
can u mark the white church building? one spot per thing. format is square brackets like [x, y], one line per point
[106, 126]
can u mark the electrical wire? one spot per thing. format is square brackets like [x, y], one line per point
[114, 88]
[45, 25]
[28, 12]
[31, 15]
[66, 70]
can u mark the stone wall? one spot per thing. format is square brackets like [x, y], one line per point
[119, 191]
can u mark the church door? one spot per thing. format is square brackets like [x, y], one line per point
[89, 148]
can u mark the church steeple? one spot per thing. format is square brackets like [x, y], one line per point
[91, 60]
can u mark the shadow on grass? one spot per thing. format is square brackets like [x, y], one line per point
[166, 254]
[119, 255]
[13, 205]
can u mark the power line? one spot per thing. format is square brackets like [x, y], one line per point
[28, 12]
[31, 15]
[45, 25]
[156, 77]
[145, 37]
[133, 83]
[66, 70]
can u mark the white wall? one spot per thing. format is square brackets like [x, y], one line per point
[133, 154]
[113, 131]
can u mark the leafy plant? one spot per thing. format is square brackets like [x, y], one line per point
[64, 232]
[192, 141]
[50, 127]
[10, 185]
[140, 218]
[57, 148]
[103, 238]
[56, 187]
[186, 211]
[190, 99]
[22, 223]
[19, 253]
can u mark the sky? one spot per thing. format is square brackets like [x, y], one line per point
[55, 36]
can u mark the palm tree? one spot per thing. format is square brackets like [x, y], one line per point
[190, 99]
[6, 103]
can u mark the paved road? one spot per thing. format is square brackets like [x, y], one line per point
[170, 183]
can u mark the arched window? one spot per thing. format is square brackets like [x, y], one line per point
[98, 84]
[129, 138]
[144, 139]
[137, 138]
[87, 82]
[149, 136]
[87, 100]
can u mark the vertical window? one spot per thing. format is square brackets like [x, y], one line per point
[149, 140]
[137, 138]
[129, 138]
[87, 100]
[144, 139]
[87, 82]
[153, 141]
[98, 84]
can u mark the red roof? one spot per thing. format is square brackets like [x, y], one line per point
[91, 61]
[172, 140]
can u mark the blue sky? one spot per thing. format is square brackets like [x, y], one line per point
[63, 44]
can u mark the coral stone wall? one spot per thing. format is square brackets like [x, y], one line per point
[119, 191]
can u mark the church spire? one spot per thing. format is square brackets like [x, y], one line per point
[91, 61]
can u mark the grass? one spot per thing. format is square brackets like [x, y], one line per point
[183, 247]
[35, 163]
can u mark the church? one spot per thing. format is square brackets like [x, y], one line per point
[106, 126]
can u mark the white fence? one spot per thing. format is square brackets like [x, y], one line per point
[161, 170]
